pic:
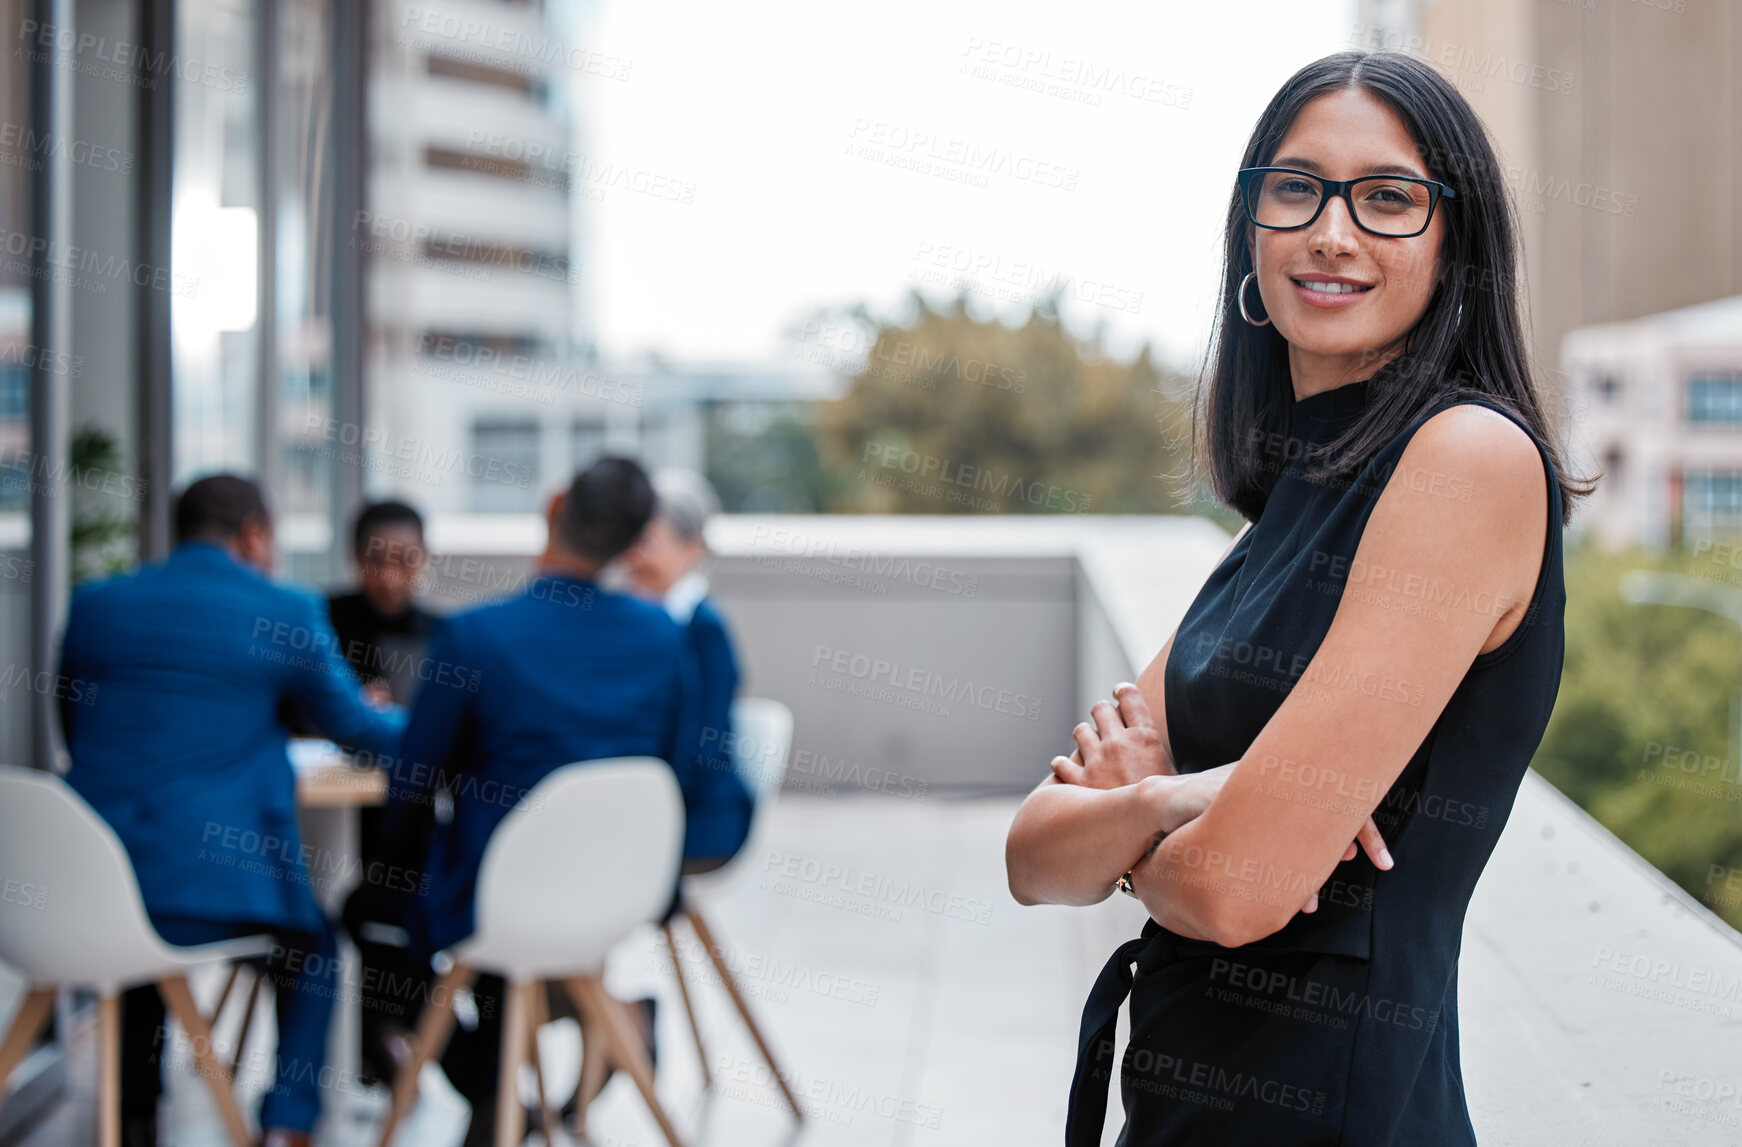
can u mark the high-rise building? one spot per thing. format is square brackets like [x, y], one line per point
[1619, 128]
[485, 389]
[483, 386]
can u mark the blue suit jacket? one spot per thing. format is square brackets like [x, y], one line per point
[175, 738]
[560, 673]
[717, 803]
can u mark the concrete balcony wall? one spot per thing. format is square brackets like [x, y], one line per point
[1015, 625]
[962, 687]
[953, 651]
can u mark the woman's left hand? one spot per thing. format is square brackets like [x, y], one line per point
[1120, 748]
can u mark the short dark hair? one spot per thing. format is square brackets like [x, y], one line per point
[218, 507]
[608, 505]
[376, 515]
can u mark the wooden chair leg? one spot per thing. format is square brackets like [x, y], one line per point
[250, 1007]
[510, 1116]
[537, 1015]
[683, 989]
[224, 996]
[707, 938]
[626, 1046]
[187, 1013]
[109, 1070]
[32, 1015]
[434, 1027]
[595, 1065]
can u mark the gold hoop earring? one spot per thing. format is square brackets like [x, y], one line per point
[1241, 297]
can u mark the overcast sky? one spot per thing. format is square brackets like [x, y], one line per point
[797, 131]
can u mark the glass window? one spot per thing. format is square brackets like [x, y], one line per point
[15, 304]
[472, 71]
[470, 348]
[16, 568]
[504, 465]
[586, 444]
[1715, 399]
[14, 430]
[1712, 498]
[303, 323]
[653, 439]
[14, 393]
[215, 244]
[453, 247]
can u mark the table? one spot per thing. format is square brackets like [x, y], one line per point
[340, 786]
[329, 793]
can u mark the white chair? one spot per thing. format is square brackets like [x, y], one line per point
[86, 927]
[762, 745]
[591, 854]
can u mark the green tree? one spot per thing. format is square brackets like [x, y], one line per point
[951, 414]
[101, 541]
[763, 459]
[1640, 735]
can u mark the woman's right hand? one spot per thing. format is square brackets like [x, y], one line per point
[1370, 842]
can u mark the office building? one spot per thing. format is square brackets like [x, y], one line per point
[1594, 106]
[1658, 410]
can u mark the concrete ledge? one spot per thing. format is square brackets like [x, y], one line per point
[1600, 1003]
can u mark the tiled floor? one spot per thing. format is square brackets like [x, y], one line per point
[908, 997]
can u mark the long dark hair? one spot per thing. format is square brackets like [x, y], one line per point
[1469, 340]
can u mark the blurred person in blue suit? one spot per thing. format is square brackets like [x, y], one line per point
[561, 672]
[667, 565]
[184, 756]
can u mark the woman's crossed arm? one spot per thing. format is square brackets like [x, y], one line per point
[1266, 840]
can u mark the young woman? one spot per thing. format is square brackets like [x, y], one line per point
[1364, 676]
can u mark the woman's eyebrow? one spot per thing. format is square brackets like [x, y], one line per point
[1394, 169]
[1376, 169]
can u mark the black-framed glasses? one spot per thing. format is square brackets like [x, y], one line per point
[1392, 206]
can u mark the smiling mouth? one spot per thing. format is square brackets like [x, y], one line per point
[1333, 288]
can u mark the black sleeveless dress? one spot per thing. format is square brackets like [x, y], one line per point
[1341, 1028]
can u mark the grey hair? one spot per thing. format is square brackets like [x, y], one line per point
[686, 502]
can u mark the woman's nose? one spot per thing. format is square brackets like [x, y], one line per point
[1334, 231]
